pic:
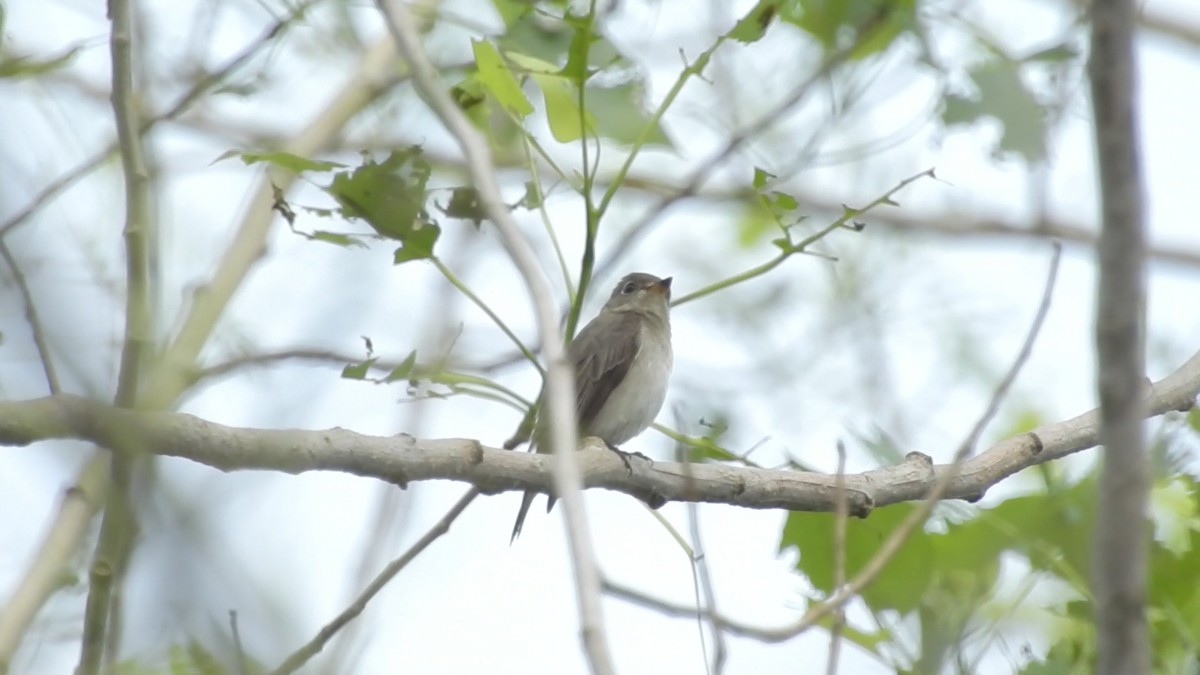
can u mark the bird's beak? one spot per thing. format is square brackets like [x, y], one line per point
[662, 286]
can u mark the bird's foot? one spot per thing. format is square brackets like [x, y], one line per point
[625, 456]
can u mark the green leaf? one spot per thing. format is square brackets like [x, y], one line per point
[1054, 531]
[390, 196]
[283, 160]
[464, 204]
[532, 199]
[418, 245]
[620, 114]
[1193, 418]
[755, 223]
[1173, 509]
[1002, 96]
[903, 581]
[560, 96]
[864, 26]
[402, 371]
[512, 10]
[762, 177]
[529, 33]
[358, 371]
[470, 96]
[781, 203]
[498, 80]
[754, 25]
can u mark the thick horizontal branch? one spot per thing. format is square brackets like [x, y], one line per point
[402, 459]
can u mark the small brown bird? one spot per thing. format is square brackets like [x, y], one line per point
[622, 361]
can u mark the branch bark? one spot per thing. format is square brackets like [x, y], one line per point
[1120, 551]
[403, 459]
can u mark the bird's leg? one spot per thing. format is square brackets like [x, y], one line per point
[626, 455]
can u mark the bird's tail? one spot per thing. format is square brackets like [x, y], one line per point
[526, 502]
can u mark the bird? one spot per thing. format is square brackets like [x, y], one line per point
[622, 361]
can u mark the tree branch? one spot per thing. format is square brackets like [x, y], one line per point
[1120, 550]
[117, 528]
[403, 459]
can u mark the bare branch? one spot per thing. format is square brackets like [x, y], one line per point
[1120, 553]
[50, 568]
[303, 655]
[403, 459]
[559, 386]
[708, 596]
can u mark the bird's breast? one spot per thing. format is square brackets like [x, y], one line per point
[637, 400]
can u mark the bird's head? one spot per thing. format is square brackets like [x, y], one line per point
[642, 293]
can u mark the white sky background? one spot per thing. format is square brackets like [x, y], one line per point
[282, 550]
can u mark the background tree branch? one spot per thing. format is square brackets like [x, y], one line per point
[1121, 559]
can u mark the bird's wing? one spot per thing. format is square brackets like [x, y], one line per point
[601, 355]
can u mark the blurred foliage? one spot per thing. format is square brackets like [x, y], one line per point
[966, 581]
[192, 658]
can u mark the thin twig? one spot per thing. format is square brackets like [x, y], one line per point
[304, 654]
[709, 596]
[31, 316]
[841, 514]
[559, 384]
[801, 246]
[483, 306]
[1120, 552]
[239, 654]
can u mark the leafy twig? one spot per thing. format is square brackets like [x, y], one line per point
[789, 248]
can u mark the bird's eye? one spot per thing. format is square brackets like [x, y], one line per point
[628, 288]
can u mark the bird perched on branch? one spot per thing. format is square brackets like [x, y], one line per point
[622, 361]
